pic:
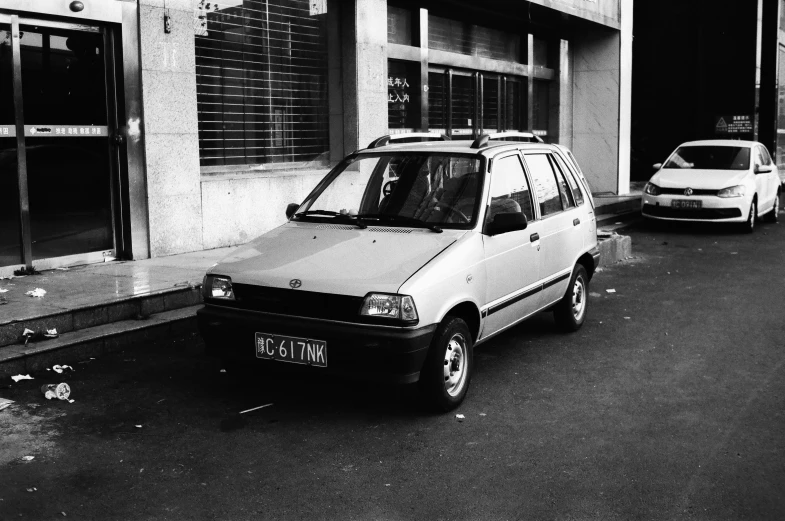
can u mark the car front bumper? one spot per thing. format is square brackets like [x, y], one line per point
[389, 354]
[714, 209]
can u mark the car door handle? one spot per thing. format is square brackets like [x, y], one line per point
[534, 237]
[576, 222]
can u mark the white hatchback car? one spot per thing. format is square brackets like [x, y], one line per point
[714, 180]
[404, 257]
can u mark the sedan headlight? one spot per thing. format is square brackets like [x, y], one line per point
[733, 191]
[385, 305]
[217, 287]
[652, 189]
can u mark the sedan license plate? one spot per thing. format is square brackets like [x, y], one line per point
[692, 204]
[291, 349]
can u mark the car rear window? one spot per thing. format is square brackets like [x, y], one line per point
[710, 158]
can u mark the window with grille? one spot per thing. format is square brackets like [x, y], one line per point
[261, 75]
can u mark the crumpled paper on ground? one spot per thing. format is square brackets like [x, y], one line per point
[37, 292]
[21, 377]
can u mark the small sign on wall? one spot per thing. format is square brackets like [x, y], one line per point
[733, 124]
[318, 7]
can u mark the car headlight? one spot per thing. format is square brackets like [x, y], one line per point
[732, 191]
[385, 305]
[652, 189]
[217, 287]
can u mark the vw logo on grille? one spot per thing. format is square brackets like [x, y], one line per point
[295, 283]
[688, 191]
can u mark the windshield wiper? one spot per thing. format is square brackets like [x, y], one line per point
[417, 223]
[352, 218]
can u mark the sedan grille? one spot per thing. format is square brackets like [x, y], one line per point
[680, 191]
[684, 213]
[294, 302]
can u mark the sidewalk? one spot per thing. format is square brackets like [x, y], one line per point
[98, 307]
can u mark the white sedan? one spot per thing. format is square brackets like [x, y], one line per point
[714, 180]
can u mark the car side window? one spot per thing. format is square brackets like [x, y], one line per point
[509, 189]
[544, 179]
[567, 200]
[576, 191]
[764, 154]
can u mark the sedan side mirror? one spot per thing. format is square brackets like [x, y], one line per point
[763, 169]
[290, 209]
[506, 222]
[657, 166]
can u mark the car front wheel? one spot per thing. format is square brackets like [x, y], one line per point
[447, 371]
[570, 312]
[774, 215]
[749, 226]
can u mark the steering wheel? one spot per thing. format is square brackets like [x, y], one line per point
[388, 187]
[453, 210]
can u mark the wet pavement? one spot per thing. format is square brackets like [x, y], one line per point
[97, 284]
[668, 404]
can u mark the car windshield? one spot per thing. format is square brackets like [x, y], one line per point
[400, 189]
[710, 158]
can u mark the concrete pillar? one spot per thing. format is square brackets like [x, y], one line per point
[364, 60]
[625, 98]
[170, 126]
[565, 95]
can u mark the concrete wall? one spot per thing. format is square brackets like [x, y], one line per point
[174, 196]
[598, 143]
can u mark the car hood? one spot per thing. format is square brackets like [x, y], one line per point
[697, 178]
[340, 259]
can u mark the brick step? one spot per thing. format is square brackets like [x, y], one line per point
[88, 317]
[95, 341]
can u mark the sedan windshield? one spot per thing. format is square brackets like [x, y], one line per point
[428, 190]
[710, 158]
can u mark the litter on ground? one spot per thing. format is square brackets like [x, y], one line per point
[255, 408]
[37, 292]
[610, 291]
[21, 377]
[61, 368]
[28, 458]
[3, 290]
[460, 417]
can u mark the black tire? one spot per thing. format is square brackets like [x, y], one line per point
[774, 215]
[752, 219]
[451, 351]
[570, 312]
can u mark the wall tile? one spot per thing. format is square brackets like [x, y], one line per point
[597, 154]
[172, 164]
[175, 223]
[596, 101]
[175, 51]
[169, 102]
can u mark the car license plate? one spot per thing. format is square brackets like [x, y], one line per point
[693, 204]
[291, 349]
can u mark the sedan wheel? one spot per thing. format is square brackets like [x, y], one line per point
[570, 312]
[447, 370]
[774, 215]
[749, 226]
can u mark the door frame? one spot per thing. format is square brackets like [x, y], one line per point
[113, 141]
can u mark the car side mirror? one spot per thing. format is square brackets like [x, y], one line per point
[657, 166]
[290, 209]
[763, 169]
[505, 223]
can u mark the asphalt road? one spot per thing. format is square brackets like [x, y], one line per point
[668, 404]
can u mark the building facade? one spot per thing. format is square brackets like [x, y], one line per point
[138, 128]
[707, 70]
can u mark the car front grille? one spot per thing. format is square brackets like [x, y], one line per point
[691, 213]
[294, 302]
[680, 191]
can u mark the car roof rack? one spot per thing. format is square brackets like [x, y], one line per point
[527, 137]
[385, 140]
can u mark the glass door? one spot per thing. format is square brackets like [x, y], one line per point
[10, 229]
[67, 207]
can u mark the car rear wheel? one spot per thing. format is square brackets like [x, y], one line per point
[774, 214]
[570, 312]
[447, 371]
